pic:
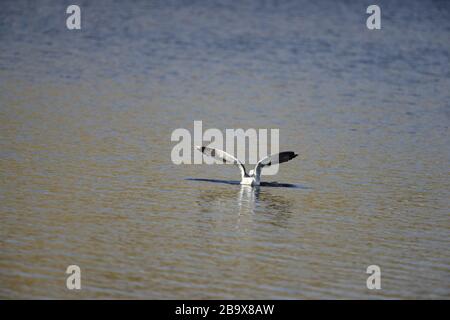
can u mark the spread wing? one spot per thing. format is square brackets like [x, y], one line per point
[223, 156]
[274, 159]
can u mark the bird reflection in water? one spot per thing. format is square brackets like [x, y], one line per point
[265, 202]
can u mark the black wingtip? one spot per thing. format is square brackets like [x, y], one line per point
[200, 148]
[292, 154]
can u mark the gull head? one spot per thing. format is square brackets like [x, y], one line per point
[251, 173]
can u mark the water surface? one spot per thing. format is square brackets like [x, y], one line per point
[86, 176]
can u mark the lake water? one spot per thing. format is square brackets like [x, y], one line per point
[86, 176]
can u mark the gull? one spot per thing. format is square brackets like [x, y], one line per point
[253, 177]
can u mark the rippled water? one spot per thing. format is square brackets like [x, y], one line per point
[86, 176]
